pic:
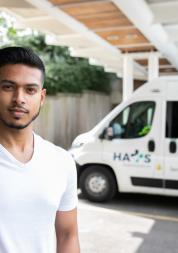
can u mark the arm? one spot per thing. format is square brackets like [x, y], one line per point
[67, 232]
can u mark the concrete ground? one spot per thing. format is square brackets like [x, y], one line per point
[114, 228]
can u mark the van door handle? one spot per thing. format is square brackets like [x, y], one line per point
[172, 147]
[151, 145]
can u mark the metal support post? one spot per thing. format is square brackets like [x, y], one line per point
[128, 86]
[153, 66]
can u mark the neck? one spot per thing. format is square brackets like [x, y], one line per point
[19, 143]
[16, 138]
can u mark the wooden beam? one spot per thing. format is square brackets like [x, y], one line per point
[162, 62]
[68, 2]
[103, 23]
[143, 62]
[99, 15]
[114, 28]
[138, 45]
[74, 3]
[137, 49]
[130, 33]
[167, 70]
[128, 37]
[89, 8]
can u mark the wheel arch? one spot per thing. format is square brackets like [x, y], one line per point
[82, 168]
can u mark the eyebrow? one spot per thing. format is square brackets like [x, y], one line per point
[7, 81]
[14, 83]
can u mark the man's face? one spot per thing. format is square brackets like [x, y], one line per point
[21, 95]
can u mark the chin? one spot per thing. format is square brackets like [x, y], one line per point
[18, 127]
[15, 125]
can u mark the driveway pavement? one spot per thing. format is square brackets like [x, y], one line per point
[108, 228]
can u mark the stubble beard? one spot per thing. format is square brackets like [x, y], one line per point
[19, 127]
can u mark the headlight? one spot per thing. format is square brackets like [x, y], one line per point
[77, 145]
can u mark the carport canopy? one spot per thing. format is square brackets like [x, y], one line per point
[130, 38]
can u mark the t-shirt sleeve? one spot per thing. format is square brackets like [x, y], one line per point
[69, 198]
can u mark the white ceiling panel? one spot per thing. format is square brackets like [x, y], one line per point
[165, 12]
[75, 40]
[48, 24]
[172, 32]
[15, 4]
[155, 20]
[27, 12]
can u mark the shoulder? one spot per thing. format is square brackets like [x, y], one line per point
[53, 151]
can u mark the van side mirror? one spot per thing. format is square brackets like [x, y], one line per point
[107, 133]
[102, 134]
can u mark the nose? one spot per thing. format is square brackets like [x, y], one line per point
[19, 96]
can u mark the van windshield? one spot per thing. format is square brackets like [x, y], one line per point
[134, 121]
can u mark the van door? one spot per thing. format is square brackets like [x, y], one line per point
[135, 152]
[171, 148]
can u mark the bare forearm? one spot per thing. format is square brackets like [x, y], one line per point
[68, 245]
[67, 232]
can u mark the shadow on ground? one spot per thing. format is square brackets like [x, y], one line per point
[152, 204]
[163, 211]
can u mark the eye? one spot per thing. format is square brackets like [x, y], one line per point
[31, 90]
[7, 87]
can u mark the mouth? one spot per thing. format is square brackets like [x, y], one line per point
[18, 112]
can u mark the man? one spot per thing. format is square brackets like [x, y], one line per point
[38, 195]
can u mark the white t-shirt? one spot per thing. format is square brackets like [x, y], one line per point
[30, 196]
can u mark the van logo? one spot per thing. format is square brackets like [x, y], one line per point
[135, 157]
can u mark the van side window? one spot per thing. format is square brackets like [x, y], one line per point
[172, 119]
[134, 121]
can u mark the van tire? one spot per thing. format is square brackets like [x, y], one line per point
[97, 183]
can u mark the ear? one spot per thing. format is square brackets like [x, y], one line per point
[43, 95]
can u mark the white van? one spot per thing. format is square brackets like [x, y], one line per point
[135, 147]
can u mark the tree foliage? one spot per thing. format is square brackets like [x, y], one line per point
[63, 72]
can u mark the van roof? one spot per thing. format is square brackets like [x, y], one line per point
[164, 86]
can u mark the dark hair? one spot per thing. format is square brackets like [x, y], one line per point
[21, 55]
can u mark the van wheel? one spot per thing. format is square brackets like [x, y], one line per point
[97, 183]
